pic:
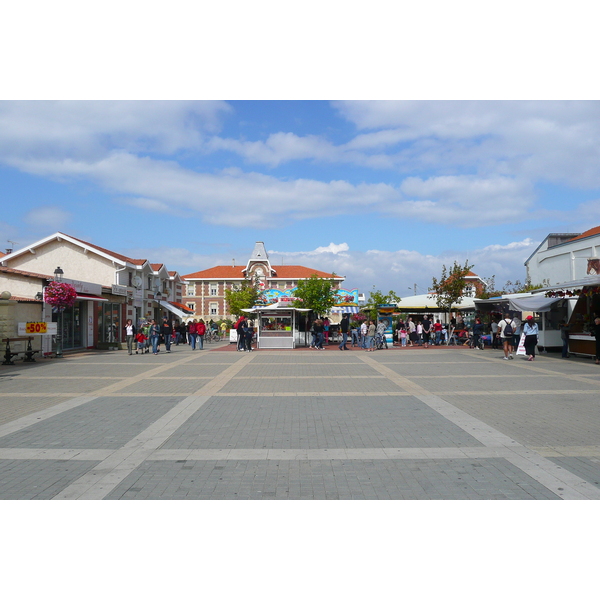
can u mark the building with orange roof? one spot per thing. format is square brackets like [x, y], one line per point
[564, 257]
[205, 290]
[111, 288]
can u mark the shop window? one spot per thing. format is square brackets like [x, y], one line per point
[109, 323]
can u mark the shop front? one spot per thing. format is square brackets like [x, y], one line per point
[276, 326]
[75, 324]
[580, 300]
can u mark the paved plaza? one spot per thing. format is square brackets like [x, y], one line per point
[437, 423]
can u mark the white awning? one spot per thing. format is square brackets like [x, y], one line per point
[91, 297]
[345, 309]
[173, 309]
[537, 303]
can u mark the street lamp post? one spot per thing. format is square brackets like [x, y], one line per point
[58, 273]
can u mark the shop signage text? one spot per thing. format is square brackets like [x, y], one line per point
[37, 328]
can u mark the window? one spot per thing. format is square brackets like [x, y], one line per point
[213, 289]
[214, 307]
[130, 284]
[191, 289]
[191, 306]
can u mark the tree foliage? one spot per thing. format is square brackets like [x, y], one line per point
[377, 298]
[449, 289]
[317, 293]
[509, 287]
[246, 296]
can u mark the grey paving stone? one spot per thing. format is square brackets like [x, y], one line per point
[586, 468]
[323, 480]
[101, 423]
[314, 422]
[38, 479]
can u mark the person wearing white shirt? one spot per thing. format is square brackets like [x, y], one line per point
[506, 329]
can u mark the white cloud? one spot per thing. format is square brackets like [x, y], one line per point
[220, 198]
[47, 217]
[465, 200]
[549, 140]
[333, 248]
[90, 129]
[401, 269]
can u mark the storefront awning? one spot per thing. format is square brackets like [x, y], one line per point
[91, 297]
[537, 303]
[345, 309]
[174, 308]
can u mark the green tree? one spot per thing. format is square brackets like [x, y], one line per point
[377, 298]
[509, 287]
[449, 289]
[317, 293]
[245, 296]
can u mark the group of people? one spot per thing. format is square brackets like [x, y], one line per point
[422, 333]
[151, 335]
[363, 336]
[245, 334]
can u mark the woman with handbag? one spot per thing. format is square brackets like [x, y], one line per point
[531, 337]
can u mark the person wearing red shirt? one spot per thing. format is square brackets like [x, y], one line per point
[201, 330]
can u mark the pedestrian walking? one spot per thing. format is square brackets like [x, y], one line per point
[477, 332]
[426, 325]
[344, 327]
[248, 334]
[154, 336]
[166, 330]
[364, 328]
[130, 332]
[531, 337]
[506, 329]
[142, 342]
[200, 333]
[319, 334]
[239, 327]
[370, 337]
[494, 334]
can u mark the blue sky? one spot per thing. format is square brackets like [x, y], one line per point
[383, 192]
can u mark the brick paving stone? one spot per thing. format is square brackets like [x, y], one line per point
[368, 480]
[101, 423]
[586, 468]
[395, 424]
[37, 479]
[314, 422]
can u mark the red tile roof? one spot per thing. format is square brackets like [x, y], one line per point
[24, 273]
[134, 261]
[289, 272]
[222, 272]
[299, 272]
[589, 233]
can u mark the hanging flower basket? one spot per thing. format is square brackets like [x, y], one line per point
[60, 295]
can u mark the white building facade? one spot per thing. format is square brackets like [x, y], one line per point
[564, 257]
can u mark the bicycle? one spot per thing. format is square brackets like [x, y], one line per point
[380, 342]
[212, 336]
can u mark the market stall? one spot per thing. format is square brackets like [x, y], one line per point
[582, 305]
[276, 325]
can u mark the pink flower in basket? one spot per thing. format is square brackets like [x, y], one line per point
[60, 295]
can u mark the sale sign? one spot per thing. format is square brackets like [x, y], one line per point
[37, 328]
